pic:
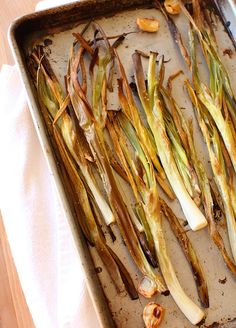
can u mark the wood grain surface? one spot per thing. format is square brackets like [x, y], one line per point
[14, 312]
[9, 11]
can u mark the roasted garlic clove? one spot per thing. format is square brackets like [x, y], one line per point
[153, 314]
[172, 6]
[148, 24]
[147, 287]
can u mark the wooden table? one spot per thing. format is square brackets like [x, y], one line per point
[14, 312]
[9, 11]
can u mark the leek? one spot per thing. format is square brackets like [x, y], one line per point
[146, 185]
[94, 135]
[156, 122]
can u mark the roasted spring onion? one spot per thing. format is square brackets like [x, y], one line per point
[153, 107]
[219, 123]
[189, 252]
[104, 252]
[130, 109]
[208, 198]
[85, 135]
[217, 97]
[95, 138]
[175, 34]
[74, 140]
[49, 93]
[144, 184]
[212, 138]
[119, 143]
[179, 138]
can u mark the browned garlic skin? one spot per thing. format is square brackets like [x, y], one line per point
[172, 6]
[150, 25]
[147, 287]
[153, 314]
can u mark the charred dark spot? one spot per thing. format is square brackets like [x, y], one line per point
[47, 42]
[197, 277]
[227, 24]
[166, 293]
[133, 87]
[201, 322]
[118, 41]
[98, 270]
[112, 235]
[150, 254]
[223, 281]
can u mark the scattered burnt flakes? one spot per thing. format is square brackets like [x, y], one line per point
[216, 7]
[219, 324]
[213, 325]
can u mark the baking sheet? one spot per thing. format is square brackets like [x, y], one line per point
[125, 312]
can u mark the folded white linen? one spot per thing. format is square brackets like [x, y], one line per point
[45, 4]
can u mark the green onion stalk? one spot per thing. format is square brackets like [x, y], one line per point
[144, 185]
[50, 91]
[49, 96]
[213, 141]
[153, 106]
[217, 96]
[100, 84]
[209, 203]
[94, 135]
[130, 109]
[180, 145]
[227, 100]
[102, 58]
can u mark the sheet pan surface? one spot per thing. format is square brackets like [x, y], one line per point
[127, 313]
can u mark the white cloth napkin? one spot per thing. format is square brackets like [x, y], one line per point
[39, 236]
[51, 3]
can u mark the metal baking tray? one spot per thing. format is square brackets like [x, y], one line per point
[116, 17]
